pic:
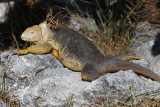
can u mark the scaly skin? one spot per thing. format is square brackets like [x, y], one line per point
[77, 53]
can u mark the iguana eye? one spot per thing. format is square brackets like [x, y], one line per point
[32, 32]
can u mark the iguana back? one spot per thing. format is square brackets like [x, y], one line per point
[74, 46]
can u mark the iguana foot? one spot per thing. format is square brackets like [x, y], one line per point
[36, 49]
[128, 58]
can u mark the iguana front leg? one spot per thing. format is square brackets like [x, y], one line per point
[36, 49]
[55, 53]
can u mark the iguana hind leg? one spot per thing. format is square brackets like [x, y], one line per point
[128, 58]
[92, 71]
[36, 49]
[124, 57]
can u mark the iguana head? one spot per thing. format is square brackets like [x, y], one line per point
[38, 33]
[32, 34]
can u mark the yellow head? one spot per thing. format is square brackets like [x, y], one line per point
[32, 34]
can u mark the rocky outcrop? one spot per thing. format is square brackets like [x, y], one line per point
[2, 104]
[5, 7]
[146, 43]
[41, 80]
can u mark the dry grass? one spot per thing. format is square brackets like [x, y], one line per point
[111, 38]
[8, 101]
[124, 101]
[113, 34]
[3, 95]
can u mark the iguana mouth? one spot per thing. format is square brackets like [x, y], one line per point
[23, 38]
[26, 39]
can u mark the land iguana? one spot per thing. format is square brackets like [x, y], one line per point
[76, 52]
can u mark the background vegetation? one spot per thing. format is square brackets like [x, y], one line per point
[114, 22]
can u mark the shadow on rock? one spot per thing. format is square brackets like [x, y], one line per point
[155, 50]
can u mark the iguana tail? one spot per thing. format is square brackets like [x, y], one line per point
[91, 71]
